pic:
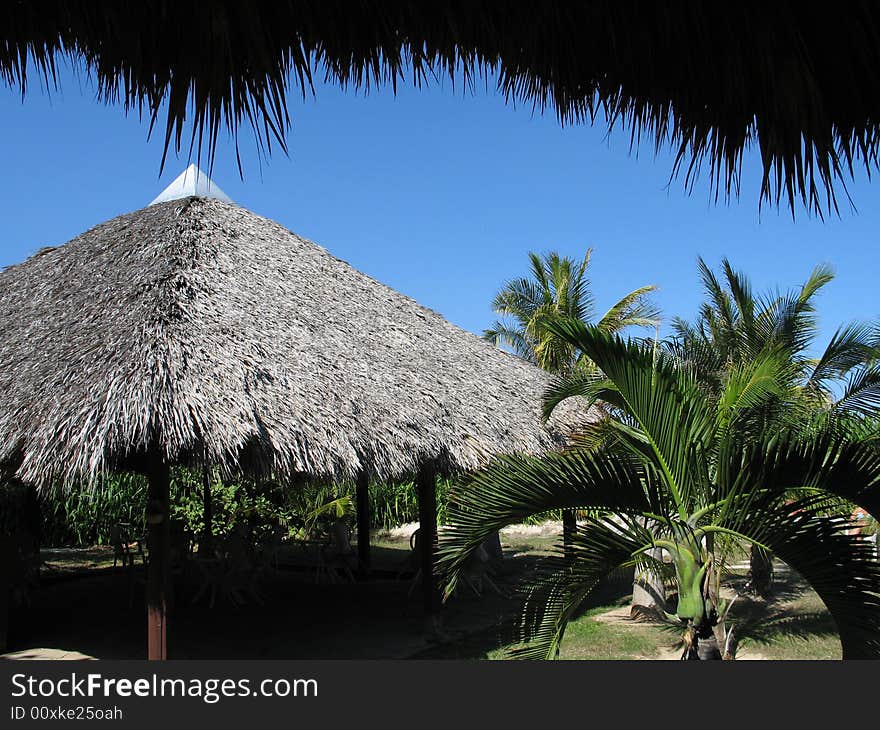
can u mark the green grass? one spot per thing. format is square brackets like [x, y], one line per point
[794, 624]
[589, 638]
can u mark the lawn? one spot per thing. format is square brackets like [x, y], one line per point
[792, 624]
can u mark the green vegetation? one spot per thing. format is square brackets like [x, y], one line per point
[738, 329]
[793, 624]
[677, 467]
[84, 517]
[555, 288]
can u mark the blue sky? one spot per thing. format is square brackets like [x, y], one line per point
[439, 194]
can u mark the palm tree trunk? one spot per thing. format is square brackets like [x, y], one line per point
[716, 647]
[761, 571]
[707, 645]
[701, 643]
[648, 591]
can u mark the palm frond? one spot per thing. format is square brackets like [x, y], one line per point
[839, 566]
[743, 297]
[633, 310]
[850, 347]
[829, 461]
[513, 488]
[861, 395]
[719, 303]
[539, 270]
[820, 276]
[553, 596]
[519, 298]
[588, 384]
[502, 334]
[671, 412]
[750, 386]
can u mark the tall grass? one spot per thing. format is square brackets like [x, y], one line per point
[84, 515]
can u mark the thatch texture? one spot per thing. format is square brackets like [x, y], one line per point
[796, 80]
[201, 331]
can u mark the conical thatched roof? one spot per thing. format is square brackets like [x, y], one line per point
[208, 333]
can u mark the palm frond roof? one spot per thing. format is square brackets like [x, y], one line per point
[795, 80]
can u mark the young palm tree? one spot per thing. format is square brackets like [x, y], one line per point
[681, 469]
[558, 287]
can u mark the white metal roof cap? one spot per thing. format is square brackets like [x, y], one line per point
[192, 181]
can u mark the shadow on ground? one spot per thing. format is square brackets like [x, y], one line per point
[100, 613]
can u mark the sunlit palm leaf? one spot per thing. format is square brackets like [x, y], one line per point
[861, 394]
[672, 413]
[633, 310]
[501, 334]
[515, 487]
[850, 347]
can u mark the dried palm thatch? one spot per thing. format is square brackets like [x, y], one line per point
[199, 331]
[797, 80]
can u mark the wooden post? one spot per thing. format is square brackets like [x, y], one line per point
[363, 522]
[426, 482]
[158, 539]
[7, 556]
[207, 539]
[569, 530]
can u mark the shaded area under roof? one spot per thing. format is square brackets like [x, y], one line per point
[202, 332]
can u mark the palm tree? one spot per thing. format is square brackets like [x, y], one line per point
[681, 470]
[558, 287]
[736, 327]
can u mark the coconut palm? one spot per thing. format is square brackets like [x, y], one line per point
[681, 470]
[736, 327]
[558, 287]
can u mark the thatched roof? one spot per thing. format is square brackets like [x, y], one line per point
[797, 80]
[200, 330]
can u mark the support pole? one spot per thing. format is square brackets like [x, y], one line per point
[426, 482]
[7, 556]
[158, 539]
[207, 539]
[569, 530]
[363, 522]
